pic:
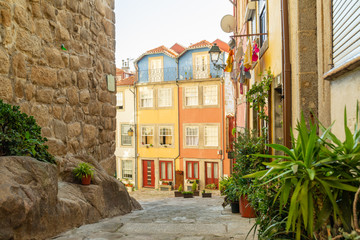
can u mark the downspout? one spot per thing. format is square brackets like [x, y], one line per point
[222, 125]
[286, 73]
[135, 126]
[178, 112]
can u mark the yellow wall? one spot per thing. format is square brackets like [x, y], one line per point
[156, 117]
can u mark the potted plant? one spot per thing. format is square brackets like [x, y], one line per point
[84, 172]
[205, 194]
[232, 194]
[178, 193]
[188, 194]
[194, 188]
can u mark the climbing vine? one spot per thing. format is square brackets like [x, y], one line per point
[258, 94]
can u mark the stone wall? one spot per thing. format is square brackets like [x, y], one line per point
[65, 90]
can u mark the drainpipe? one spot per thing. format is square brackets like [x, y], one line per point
[286, 73]
[178, 105]
[222, 126]
[135, 126]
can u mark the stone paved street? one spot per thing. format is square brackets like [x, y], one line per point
[166, 217]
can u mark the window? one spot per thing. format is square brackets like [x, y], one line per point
[164, 97]
[211, 136]
[127, 169]
[201, 65]
[191, 96]
[346, 29]
[262, 21]
[192, 136]
[192, 170]
[165, 136]
[120, 100]
[125, 138]
[147, 135]
[166, 170]
[210, 95]
[155, 70]
[146, 97]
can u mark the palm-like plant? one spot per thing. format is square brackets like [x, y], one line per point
[311, 175]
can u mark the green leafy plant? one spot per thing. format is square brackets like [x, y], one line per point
[259, 93]
[187, 192]
[83, 169]
[180, 189]
[20, 135]
[194, 186]
[311, 176]
[211, 186]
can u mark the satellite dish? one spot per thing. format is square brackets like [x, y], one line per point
[228, 23]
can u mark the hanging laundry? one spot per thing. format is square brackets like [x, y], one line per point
[248, 57]
[230, 61]
[255, 56]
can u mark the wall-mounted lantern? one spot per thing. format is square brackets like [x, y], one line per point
[215, 53]
[130, 132]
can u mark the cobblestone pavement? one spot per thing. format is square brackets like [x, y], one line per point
[165, 217]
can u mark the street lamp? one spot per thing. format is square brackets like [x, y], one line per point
[215, 56]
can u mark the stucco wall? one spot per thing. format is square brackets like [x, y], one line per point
[65, 90]
[344, 92]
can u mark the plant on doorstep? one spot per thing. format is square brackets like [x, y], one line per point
[188, 194]
[178, 193]
[206, 194]
[194, 188]
[315, 180]
[84, 172]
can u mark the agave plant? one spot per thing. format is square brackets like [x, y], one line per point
[312, 176]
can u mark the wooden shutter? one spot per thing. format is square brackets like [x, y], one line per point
[346, 30]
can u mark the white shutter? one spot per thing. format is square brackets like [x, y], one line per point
[346, 30]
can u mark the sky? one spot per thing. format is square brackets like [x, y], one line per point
[142, 25]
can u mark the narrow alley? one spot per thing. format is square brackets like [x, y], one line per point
[166, 217]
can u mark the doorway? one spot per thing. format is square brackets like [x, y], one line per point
[212, 173]
[148, 173]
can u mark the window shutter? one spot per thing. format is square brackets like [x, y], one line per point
[346, 30]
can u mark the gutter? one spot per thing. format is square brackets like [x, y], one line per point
[178, 111]
[286, 73]
[222, 125]
[135, 126]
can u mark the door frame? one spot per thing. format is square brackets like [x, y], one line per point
[212, 169]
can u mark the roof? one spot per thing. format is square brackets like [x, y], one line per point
[119, 71]
[126, 81]
[162, 49]
[222, 45]
[178, 48]
[200, 44]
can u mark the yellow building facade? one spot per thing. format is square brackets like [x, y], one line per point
[158, 133]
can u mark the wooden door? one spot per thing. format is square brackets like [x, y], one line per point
[148, 173]
[211, 173]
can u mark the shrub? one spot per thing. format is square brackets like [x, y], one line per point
[20, 135]
[194, 186]
[180, 188]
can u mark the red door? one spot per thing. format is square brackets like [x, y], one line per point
[212, 173]
[148, 173]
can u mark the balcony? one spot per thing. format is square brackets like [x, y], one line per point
[183, 73]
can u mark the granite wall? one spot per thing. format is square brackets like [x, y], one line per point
[64, 89]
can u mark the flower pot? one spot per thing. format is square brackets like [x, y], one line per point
[245, 209]
[188, 195]
[196, 193]
[178, 194]
[206, 195]
[234, 207]
[86, 180]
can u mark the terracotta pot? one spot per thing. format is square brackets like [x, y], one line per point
[245, 209]
[86, 180]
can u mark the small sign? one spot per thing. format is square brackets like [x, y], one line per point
[110, 80]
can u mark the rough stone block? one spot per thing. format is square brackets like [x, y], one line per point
[84, 96]
[54, 58]
[44, 76]
[68, 114]
[41, 114]
[28, 43]
[57, 111]
[5, 62]
[109, 28]
[90, 134]
[64, 77]
[74, 63]
[21, 17]
[45, 95]
[5, 17]
[6, 89]
[108, 110]
[74, 129]
[83, 80]
[18, 65]
[60, 129]
[100, 6]
[56, 147]
[62, 34]
[73, 96]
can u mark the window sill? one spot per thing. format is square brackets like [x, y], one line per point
[263, 48]
[342, 69]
